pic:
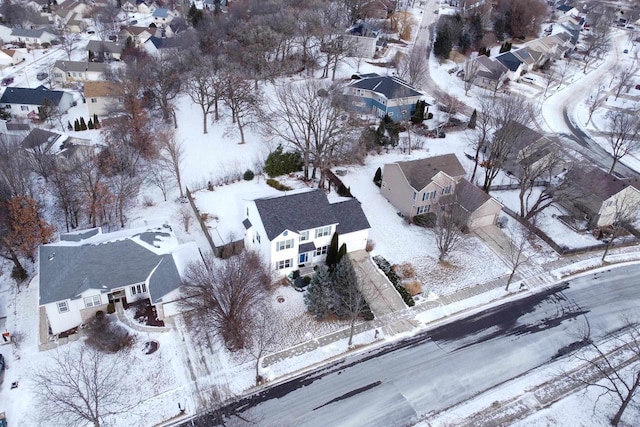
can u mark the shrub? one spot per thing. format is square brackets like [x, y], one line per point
[427, 220]
[414, 287]
[344, 191]
[281, 163]
[405, 270]
[429, 116]
[384, 265]
[377, 178]
[46, 45]
[107, 335]
[277, 185]
[111, 308]
[147, 201]
[18, 274]
[99, 314]
[248, 175]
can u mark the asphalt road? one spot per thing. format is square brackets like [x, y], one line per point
[406, 381]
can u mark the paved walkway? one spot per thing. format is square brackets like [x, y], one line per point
[135, 325]
[375, 286]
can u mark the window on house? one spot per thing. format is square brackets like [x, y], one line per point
[58, 75]
[304, 236]
[424, 196]
[322, 250]
[415, 194]
[258, 237]
[446, 190]
[94, 100]
[285, 244]
[92, 301]
[63, 307]
[284, 264]
[424, 209]
[24, 108]
[138, 289]
[391, 114]
[323, 231]
[433, 195]
[608, 203]
[247, 212]
[285, 233]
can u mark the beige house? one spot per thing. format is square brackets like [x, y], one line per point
[65, 72]
[598, 195]
[102, 97]
[138, 35]
[9, 57]
[475, 208]
[415, 186]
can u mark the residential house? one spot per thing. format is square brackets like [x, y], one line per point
[415, 186]
[138, 35]
[473, 207]
[515, 65]
[564, 10]
[70, 16]
[294, 231]
[42, 141]
[32, 38]
[529, 150]
[524, 55]
[162, 17]
[156, 45]
[5, 33]
[383, 95]
[9, 57]
[129, 6]
[87, 270]
[104, 51]
[378, 9]
[362, 40]
[102, 97]
[22, 101]
[488, 72]
[39, 6]
[596, 195]
[65, 72]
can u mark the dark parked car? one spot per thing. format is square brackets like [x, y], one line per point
[2, 368]
[637, 87]
[42, 76]
[6, 81]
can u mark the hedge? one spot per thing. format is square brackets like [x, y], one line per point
[384, 265]
[278, 185]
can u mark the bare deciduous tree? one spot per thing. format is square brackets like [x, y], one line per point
[515, 251]
[222, 295]
[412, 66]
[597, 41]
[163, 80]
[204, 87]
[447, 226]
[623, 134]
[172, 156]
[470, 70]
[242, 98]
[186, 216]
[83, 386]
[624, 79]
[533, 173]
[68, 40]
[264, 337]
[619, 214]
[615, 377]
[595, 101]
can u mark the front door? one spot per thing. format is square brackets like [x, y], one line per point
[303, 258]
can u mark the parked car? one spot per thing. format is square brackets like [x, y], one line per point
[2, 368]
[6, 81]
[637, 87]
[42, 75]
[625, 51]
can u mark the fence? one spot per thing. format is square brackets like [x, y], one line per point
[222, 251]
[563, 250]
[342, 189]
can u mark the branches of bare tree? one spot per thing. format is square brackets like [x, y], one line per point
[596, 99]
[241, 97]
[597, 41]
[222, 296]
[412, 65]
[204, 86]
[265, 333]
[534, 172]
[83, 386]
[163, 80]
[624, 79]
[515, 252]
[614, 376]
[623, 134]
[619, 214]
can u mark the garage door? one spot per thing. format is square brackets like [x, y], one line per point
[482, 221]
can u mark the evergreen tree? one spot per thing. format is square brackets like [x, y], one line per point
[76, 125]
[381, 138]
[464, 44]
[319, 295]
[96, 123]
[477, 28]
[473, 120]
[377, 178]
[83, 124]
[443, 44]
[341, 252]
[90, 124]
[69, 127]
[332, 252]
[344, 278]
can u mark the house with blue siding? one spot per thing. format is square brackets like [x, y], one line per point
[382, 95]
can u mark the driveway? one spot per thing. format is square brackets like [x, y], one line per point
[376, 288]
[499, 243]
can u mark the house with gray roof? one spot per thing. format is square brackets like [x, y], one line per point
[294, 231]
[382, 95]
[104, 51]
[363, 39]
[163, 17]
[515, 65]
[65, 72]
[485, 72]
[32, 38]
[87, 270]
[21, 101]
[415, 186]
[473, 207]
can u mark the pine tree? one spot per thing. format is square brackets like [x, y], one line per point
[473, 120]
[76, 125]
[83, 124]
[443, 44]
[90, 124]
[344, 278]
[332, 252]
[69, 127]
[377, 178]
[341, 252]
[319, 296]
[96, 123]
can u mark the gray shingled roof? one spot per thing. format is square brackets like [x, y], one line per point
[24, 32]
[306, 211]
[81, 66]
[104, 46]
[519, 135]
[390, 87]
[594, 185]
[494, 69]
[67, 271]
[38, 137]
[350, 216]
[420, 172]
[509, 60]
[163, 42]
[79, 235]
[470, 196]
[28, 96]
[306, 247]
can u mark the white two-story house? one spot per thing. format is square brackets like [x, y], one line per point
[294, 231]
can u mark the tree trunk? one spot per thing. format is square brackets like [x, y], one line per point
[216, 112]
[353, 324]
[606, 250]
[626, 401]
[241, 131]
[613, 165]
[204, 122]
[513, 272]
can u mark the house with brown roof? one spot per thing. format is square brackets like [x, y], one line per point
[414, 187]
[9, 57]
[102, 97]
[598, 195]
[474, 207]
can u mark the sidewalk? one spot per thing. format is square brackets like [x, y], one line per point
[397, 322]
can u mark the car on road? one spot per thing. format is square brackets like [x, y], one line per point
[625, 51]
[42, 75]
[637, 87]
[6, 81]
